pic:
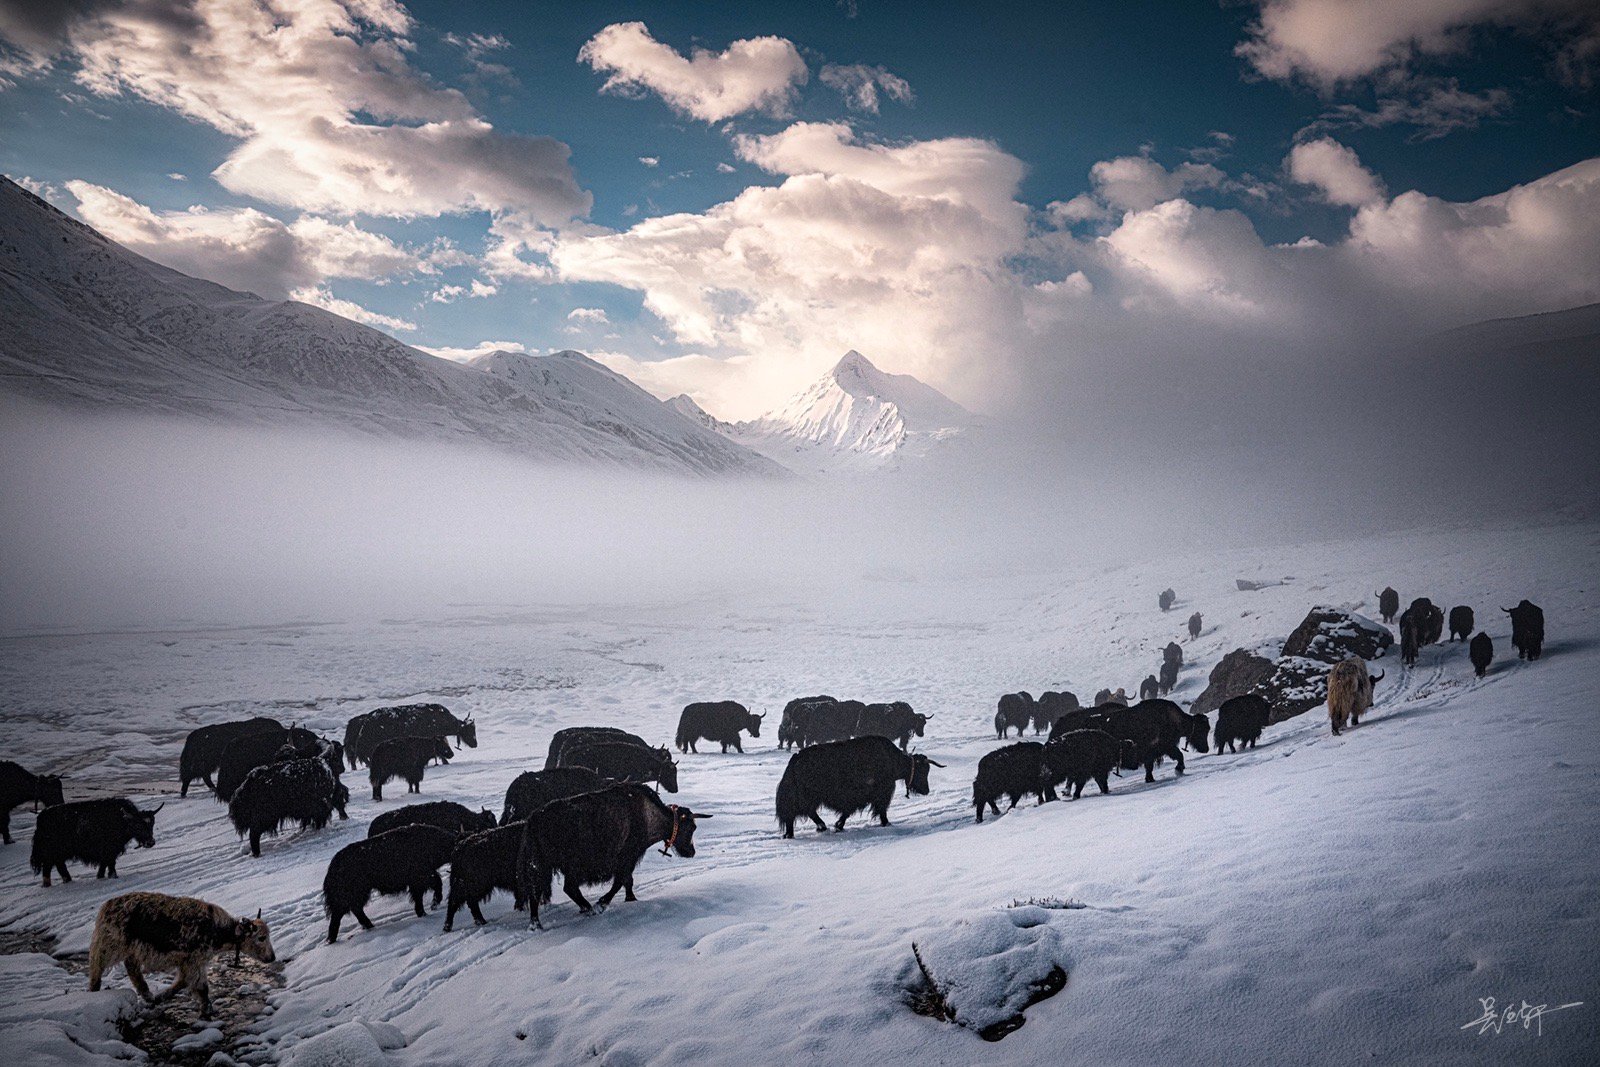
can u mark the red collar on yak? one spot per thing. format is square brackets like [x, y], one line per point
[672, 838]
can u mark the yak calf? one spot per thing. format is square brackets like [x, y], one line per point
[152, 931]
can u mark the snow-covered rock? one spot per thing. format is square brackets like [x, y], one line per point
[992, 967]
[90, 325]
[1332, 634]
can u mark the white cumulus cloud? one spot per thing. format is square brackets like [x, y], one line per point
[760, 74]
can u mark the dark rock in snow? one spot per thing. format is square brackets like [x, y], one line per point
[1240, 672]
[1331, 635]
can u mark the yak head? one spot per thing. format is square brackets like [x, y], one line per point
[468, 734]
[441, 749]
[251, 935]
[752, 723]
[485, 820]
[48, 791]
[681, 836]
[142, 825]
[1197, 732]
[917, 781]
[669, 771]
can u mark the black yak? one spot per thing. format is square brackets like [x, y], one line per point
[1015, 711]
[1481, 652]
[847, 776]
[1429, 621]
[532, 790]
[1461, 623]
[595, 837]
[1150, 687]
[896, 721]
[1050, 706]
[94, 832]
[624, 762]
[366, 732]
[573, 736]
[1156, 727]
[1167, 599]
[1196, 624]
[302, 791]
[404, 757]
[833, 721]
[1169, 678]
[403, 860]
[202, 749]
[1388, 603]
[718, 721]
[257, 749]
[17, 785]
[1240, 722]
[1527, 629]
[481, 863]
[1350, 691]
[1102, 697]
[445, 814]
[152, 931]
[1172, 654]
[1078, 756]
[796, 715]
[1413, 630]
[1011, 772]
[1083, 719]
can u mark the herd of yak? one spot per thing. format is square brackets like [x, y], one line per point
[595, 808]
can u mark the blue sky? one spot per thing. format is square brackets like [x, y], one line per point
[940, 224]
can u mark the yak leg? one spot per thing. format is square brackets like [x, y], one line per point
[202, 990]
[477, 913]
[206, 778]
[361, 917]
[438, 889]
[822, 827]
[1077, 787]
[994, 808]
[738, 745]
[1150, 769]
[418, 891]
[1048, 794]
[574, 890]
[979, 807]
[450, 914]
[255, 843]
[1178, 756]
[1104, 782]
[136, 976]
[838, 827]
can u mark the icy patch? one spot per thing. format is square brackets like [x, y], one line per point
[986, 971]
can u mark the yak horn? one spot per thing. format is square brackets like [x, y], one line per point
[258, 914]
[934, 763]
[159, 806]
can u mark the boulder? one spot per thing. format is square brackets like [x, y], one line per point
[1330, 634]
[1297, 684]
[1240, 672]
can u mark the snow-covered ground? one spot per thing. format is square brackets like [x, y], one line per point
[1318, 899]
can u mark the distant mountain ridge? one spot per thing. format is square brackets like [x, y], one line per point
[90, 325]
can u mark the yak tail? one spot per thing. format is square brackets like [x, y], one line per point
[99, 952]
[682, 738]
[788, 803]
[543, 876]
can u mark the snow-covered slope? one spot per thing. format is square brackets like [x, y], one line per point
[89, 324]
[1318, 899]
[855, 415]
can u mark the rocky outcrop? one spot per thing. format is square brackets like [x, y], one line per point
[1330, 635]
[1241, 671]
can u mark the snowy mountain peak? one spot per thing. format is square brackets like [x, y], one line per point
[855, 415]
